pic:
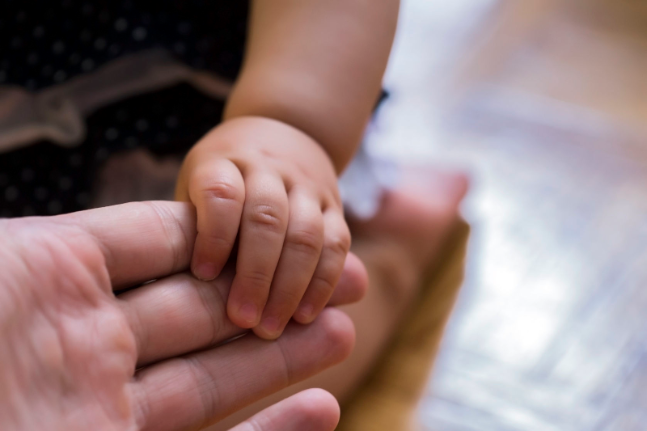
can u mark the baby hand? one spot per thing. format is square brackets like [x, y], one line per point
[275, 189]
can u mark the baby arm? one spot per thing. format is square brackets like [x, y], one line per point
[318, 66]
[267, 174]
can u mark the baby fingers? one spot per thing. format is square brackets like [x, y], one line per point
[331, 264]
[262, 232]
[217, 190]
[301, 252]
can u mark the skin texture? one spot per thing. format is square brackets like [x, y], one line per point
[280, 193]
[312, 409]
[402, 242]
[77, 357]
[266, 177]
[317, 65]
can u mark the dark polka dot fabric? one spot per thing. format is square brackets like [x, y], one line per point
[48, 43]
[45, 43]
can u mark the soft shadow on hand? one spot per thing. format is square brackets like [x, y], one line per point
[75, 356]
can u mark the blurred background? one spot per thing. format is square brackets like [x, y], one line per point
[544, 102]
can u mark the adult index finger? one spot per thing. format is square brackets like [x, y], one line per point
[141, 241]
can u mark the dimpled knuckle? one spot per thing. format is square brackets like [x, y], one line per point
[224, 191]
[267, 217]
[287, 298]
[307, 241]
[339, 243]
[218, 241]
[325, 282]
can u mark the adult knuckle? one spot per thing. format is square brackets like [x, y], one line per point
[142, 407]
[209, 398]
[211, 301]
[177, 239]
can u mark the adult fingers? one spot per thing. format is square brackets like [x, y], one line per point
[217, 190]
[312, 409]
[140, 241]
[178, 315]
[195, 390]
[262, 232]
[181, 314]
[329, 269]
[353, 283]
[299, 257]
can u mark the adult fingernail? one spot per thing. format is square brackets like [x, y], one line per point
[205, 271]
[248, 312]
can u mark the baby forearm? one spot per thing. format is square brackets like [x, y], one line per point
[316, 65]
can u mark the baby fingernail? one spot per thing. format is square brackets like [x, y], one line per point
[206, 271]
[248, 313]
[271, 325]
[305, 311]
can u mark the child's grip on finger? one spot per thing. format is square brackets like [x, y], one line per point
[277, 195]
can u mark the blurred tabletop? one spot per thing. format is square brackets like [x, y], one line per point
[545, 103]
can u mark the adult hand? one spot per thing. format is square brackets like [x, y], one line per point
[75, 356]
